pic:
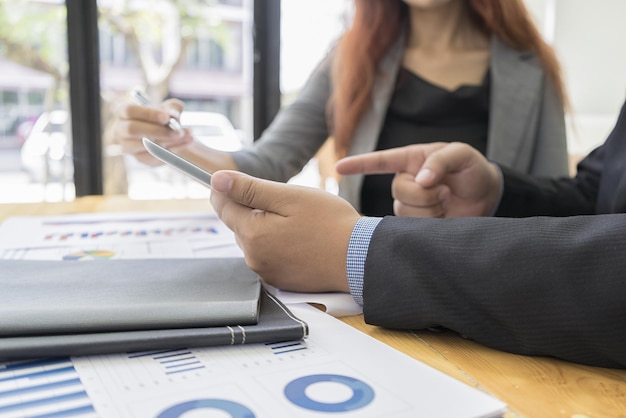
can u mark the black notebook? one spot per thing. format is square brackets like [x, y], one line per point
[61, 308]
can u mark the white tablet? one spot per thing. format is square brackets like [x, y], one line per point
[177, 162]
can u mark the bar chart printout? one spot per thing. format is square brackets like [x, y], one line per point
[45, 387]
[322, 376]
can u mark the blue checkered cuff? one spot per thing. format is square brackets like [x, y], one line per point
[357, 253]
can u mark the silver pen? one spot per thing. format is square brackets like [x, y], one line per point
[139, 97]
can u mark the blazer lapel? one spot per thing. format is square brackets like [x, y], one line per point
[367, 130]
[516, 81]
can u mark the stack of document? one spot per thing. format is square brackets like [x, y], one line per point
[60, 308]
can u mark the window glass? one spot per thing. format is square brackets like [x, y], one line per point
[197, 51]
[309, 29]
[35, 140]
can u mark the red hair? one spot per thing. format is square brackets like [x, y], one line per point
[378, 23]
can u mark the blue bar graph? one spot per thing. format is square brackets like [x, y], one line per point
[42, 388]
[286, 347]
[172, 361]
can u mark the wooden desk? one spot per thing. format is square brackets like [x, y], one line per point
[531, 386]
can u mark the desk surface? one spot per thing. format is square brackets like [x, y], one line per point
[531, 386]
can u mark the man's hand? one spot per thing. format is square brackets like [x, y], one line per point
[296, 238]
[433, 180]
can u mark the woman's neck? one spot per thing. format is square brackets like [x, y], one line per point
[444, 28]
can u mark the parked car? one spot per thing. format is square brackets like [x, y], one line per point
[46, 152]
[212, 129]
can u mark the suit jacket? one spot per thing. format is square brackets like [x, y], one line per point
[540, 285]
[526, 122]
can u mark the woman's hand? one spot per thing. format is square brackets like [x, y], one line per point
[133, 121]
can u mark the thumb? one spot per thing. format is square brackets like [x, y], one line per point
[449, 159]
[248, 191]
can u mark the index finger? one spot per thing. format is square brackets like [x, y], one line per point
[160, 114]
[403, 159]
[379, 162]
[149, 114]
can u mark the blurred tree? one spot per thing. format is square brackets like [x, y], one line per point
[158, 33]
[30, 35]
[33, 34]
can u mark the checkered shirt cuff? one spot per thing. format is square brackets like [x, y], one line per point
[357, 253]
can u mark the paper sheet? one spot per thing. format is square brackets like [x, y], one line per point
[336, 304]
[337, 371]
[128, 235]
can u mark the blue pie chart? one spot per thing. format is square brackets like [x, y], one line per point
[362, 393]
[236, 410]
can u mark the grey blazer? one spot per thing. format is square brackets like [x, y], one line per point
[526, 123]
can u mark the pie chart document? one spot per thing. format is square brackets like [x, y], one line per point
[337, 371]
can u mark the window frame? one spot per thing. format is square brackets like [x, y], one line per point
[84, 81]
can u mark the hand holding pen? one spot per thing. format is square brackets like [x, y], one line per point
[137, 117]
[140, 98]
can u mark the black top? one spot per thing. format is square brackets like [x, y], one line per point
[421, 112]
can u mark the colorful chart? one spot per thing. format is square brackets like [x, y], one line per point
[88, 255]
[129, 233]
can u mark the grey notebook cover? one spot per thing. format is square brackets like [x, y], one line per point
[276, 323]
[61, 297]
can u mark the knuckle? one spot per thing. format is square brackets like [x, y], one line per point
[248, 192]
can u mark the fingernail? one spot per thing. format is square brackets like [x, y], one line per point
[221, 182]
[424, 176]
[164, 118]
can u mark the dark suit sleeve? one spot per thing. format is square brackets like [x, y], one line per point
[525, 195]
[534, 286]
[599, 185]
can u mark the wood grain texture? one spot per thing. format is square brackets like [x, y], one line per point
[531, 386]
